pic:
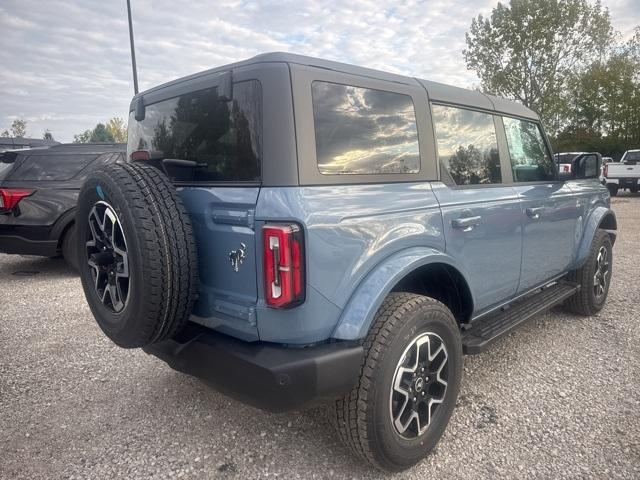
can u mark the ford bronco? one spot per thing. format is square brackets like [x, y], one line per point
[294, 230]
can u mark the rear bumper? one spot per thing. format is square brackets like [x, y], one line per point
[27, 241]
[268, 376]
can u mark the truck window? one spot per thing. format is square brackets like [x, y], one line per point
[467, 146]
[364, 131]
[222, 138]
[530, 159]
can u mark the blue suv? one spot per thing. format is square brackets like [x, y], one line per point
[294, 230]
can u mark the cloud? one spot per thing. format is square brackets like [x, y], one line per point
[66, 65]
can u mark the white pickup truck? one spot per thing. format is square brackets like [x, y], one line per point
[623, 174]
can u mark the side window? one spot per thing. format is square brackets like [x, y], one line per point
[530, 159]
[364, 131]
[467, 146]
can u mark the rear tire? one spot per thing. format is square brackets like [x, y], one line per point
[591, 297]
[633, 190]
[370, 418]
[613, 189]
[137, 254]
[69, 250]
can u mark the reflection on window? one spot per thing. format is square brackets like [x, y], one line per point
[363, 131]
[467, 146]
[223, 139]
[530, 160]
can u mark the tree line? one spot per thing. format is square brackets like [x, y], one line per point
[563, 59]
[113, 131]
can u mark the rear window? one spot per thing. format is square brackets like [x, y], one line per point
[221, 139]
[364, 131]
[635, 156]
[53, 167]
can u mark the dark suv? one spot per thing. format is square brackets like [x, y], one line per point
[38, 194]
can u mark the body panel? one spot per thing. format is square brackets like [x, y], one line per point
[349, 230]
[490, 250]
[549, 218]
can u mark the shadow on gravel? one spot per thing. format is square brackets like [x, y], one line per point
[20, 267]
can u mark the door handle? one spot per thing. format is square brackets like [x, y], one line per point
[534, 212]
[466, 224]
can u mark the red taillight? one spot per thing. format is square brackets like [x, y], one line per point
[140, 156]
[566, 168]
[283, 265]
[605, 171]
[9, 197]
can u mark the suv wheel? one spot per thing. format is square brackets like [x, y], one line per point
[69, 250]
[137, 254]
[408, 386]
[594, 277]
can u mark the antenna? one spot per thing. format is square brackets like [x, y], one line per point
[133, 50]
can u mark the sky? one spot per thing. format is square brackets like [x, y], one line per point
[65, 65]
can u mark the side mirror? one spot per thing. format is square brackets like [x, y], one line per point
[586, 166]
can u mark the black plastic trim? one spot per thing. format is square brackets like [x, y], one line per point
[269, 376]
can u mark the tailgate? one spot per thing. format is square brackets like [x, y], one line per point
[622, 170]
[223, 225]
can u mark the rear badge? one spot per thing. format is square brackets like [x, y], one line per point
[236, 257]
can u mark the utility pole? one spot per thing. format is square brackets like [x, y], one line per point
[133, 50]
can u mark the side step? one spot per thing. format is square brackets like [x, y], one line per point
[487, 329]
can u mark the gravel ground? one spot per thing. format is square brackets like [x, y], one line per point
[558, 398]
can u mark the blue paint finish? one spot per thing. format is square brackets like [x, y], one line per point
[222, 219]
[491, 249]
[593, 205]
[361, 308]
[100, 192]
[548, 240]
[349, 231]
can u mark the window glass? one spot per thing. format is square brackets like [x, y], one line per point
[530, 159]
[54, 167]
[221, 139]
[467, 146]
[364, 131]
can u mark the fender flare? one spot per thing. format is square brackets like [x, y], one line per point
[594, 221]
[61, 225]
[357, 315]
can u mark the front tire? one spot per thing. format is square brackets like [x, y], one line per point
[408, 386]
[594, 277]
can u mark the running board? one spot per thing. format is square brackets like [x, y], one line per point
[487, 329]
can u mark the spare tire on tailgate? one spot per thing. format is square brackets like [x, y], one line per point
[136, 253]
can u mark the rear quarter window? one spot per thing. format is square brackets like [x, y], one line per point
[361, 131]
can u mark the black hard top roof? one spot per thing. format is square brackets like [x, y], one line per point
[438, 92]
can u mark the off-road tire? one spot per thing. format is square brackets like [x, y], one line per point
[362, 417]
[68, 247]
[161, 248]
[584, 301]
[633, 190]
[613, 189]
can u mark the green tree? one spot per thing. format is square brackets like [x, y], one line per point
[528, 50]
[47, 135]
[19, 128]
[99, 134]
[117, 129]
[5, 134]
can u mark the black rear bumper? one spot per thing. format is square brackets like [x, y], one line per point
[265, 375]
[27, 241]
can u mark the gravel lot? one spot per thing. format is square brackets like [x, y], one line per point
[558, 398]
